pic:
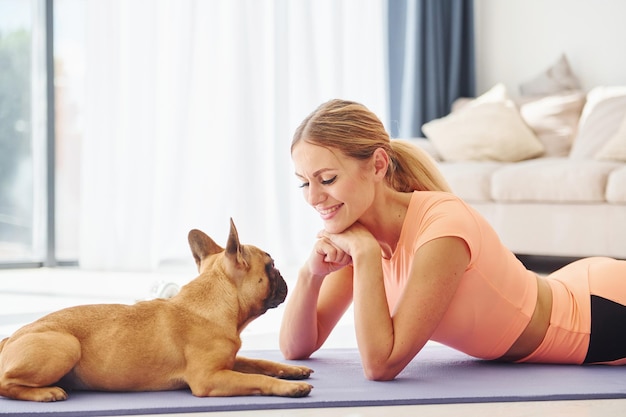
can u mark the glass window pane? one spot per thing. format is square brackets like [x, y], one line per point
[22, 131]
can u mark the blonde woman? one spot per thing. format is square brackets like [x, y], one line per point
[419, 264]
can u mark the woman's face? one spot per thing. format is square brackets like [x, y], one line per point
[338, 187]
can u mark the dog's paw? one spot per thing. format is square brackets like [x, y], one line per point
[54, 394]
[299, 389]
[45, 394]
[295, 372]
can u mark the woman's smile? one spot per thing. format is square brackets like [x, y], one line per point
[327, 213]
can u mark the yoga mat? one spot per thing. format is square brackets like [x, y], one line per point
[438, 375]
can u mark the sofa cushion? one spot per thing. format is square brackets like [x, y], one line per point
[496, 94]
[557, 78]
[470, 180]
[486, 131]
[600, 119]
[616, 186]
[554, 119]
[553, 180]
[615, 147]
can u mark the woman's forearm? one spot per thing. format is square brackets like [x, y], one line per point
[373, 323]
[299, 330]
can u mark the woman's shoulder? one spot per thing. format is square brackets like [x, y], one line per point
[444, 209]
[436, 214]
[428, 199]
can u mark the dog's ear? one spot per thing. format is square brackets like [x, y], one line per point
[202, 246]
[234, 250]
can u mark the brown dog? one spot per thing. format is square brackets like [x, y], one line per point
[190, 340]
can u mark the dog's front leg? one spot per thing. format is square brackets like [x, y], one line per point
[227, 383]
[270, 368]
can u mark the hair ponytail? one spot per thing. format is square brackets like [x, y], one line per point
[413, 169]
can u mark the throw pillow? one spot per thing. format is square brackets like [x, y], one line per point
[496, 94]
[483, 131]
[554, 119]
[557, 78]
[601, 118]
[615, 148]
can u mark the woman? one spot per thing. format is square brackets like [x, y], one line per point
[419, 264]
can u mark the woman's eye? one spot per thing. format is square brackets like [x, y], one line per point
[322, 181]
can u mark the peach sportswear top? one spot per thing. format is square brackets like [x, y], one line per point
[496, 296]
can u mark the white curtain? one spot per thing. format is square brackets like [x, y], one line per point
[190, 109]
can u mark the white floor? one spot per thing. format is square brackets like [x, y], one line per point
[26, 294]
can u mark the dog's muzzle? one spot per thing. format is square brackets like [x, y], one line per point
[278, 288]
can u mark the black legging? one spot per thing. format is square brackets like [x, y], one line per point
[608, 331]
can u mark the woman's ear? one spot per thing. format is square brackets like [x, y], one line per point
[381, 162]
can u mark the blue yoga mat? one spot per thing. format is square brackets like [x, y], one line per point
[438, 375]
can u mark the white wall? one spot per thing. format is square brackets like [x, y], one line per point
[517, 39]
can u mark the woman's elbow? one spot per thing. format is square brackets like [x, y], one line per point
[294, 353]
[294, 356]
[379, 373]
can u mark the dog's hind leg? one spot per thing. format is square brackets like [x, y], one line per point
[31, 363]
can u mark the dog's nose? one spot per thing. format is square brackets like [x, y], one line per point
[279, 293]
[282, 289]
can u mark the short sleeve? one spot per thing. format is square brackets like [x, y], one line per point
[443, 215]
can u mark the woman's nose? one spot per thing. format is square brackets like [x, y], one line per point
[315, 194]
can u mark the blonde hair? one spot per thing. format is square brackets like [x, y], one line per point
[356, 132]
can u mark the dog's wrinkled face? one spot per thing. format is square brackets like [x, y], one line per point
[263, 287]
[278, 286]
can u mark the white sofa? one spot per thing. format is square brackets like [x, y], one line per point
[567, 199]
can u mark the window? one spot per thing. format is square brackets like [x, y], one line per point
[22, 132]
[39, 182]
[130, 77]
